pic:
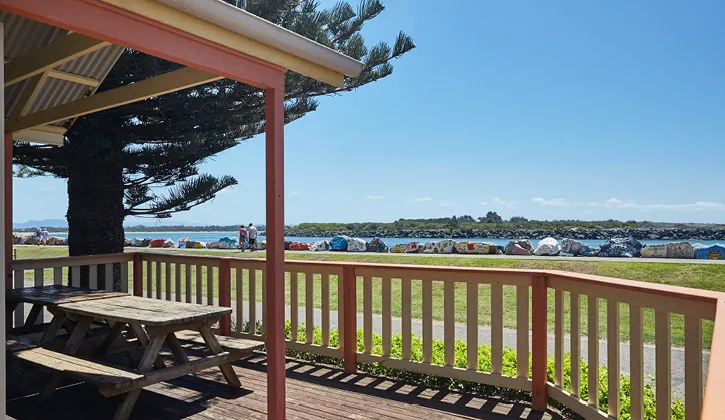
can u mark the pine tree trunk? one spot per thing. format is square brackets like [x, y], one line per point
[95, 204]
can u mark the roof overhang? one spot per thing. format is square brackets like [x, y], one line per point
[242, 31]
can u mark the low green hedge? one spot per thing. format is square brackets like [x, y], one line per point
[484, 365]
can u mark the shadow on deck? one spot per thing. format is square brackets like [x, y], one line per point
[313, 392]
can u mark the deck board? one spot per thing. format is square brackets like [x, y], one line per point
[313, 392]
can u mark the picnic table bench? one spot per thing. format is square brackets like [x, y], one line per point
[151, 322]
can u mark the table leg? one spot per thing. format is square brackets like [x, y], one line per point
[55, 325]
[176, 348]
[33, 315]
[9, 310]
[143, 339]
[76, 338]
[213, 345]
[150, 354]
[114, 333]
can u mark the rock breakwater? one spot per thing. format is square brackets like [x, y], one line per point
[574, 233]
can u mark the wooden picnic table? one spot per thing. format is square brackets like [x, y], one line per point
[150, 322]
[50, 297]
[153, 323]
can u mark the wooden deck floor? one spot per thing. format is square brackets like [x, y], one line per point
[313, 392]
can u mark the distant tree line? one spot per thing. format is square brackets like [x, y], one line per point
[491, 220]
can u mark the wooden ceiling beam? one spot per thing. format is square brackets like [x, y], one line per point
[155, 86]
[61, 50]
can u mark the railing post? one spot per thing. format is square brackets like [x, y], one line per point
[225, 295]
[538, 345]
[349, 291]
[138, 275]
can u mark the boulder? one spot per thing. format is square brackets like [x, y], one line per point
[710, 252]
[409, 248]
[444, 247]
[475, 248]
[320, 246]
[156, 243]
[521, 247]
[376, 245]
[299, 246]
[261, 245]
[339, 243]
[356, 245]
[548, 246]
[427, 248]
[574, 247]
[621, 247]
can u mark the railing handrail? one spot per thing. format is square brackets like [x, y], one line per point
[30, 263]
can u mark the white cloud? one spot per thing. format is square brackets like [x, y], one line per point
[294, 193]
[374, 197]
[420, 199]
[498, 202]
[554, 202]
[445, 203]
[484, 203]
[615, 203]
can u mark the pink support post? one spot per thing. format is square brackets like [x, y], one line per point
[8, 168]
[274, 109]
[538, 343]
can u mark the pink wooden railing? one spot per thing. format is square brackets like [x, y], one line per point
[358, 288]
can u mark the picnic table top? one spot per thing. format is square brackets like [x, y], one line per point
[56, 295]
[149, 312]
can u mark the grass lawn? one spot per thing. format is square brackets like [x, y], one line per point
[702, 276]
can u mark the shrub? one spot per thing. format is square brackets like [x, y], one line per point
[484, 365]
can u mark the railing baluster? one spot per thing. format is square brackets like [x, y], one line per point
[168, 280]
[693, 367]
[124, 276]
[158, 279]
[177, 276]
[575, 342]
[252, 301]
[405, 286]
[108, 278]
[39, 272]
[341, 311]
[309, 308]
[198, 282]
[58, 276]
[264, 302]
[19, 283]
[613, 358]
[663, 380]
[522, 331]
[76, 274]
[149, 279]
[210, 285]
[593, 337]
[367, 314]
[558, 337]
[239, 297]
[496, 328]
[636, 360]
[294, 305]
[472, 325]
[387, 320]
[92, 277]
[427, 321]
[449, 322]
[187, 272]
[325, 289]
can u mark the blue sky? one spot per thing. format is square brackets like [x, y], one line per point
[548, 110]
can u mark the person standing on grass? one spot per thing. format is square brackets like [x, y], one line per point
[252, 235]
[242, 237]
[46, 236]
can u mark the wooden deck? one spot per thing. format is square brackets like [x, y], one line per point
[313, 392]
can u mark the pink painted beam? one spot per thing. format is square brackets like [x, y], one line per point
[274, 318]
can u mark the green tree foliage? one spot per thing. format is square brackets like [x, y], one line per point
[142, 159]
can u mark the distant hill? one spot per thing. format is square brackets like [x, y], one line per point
[47, 223]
